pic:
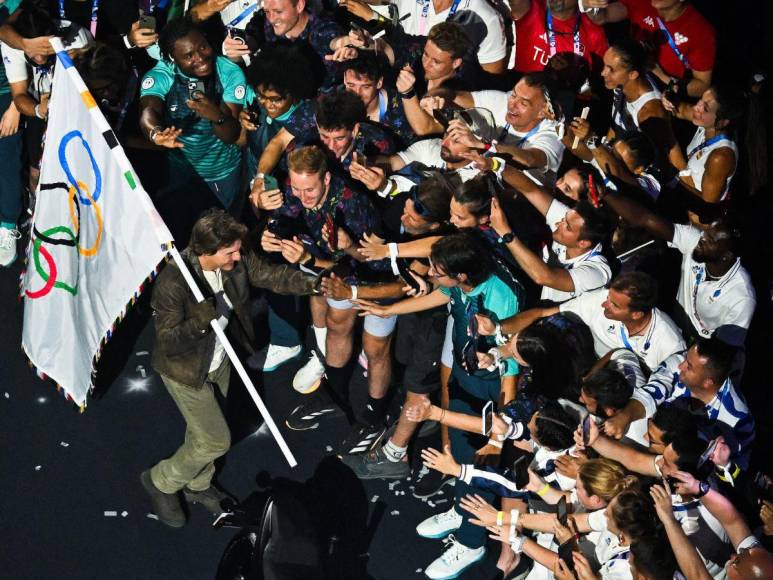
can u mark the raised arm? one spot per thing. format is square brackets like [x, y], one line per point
[640, 217]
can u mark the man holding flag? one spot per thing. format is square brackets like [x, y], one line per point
[191, 360]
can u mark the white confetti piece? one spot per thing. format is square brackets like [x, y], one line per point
[419, 570]
[141, 369]
[151, 516]
[441, 501]
[329, 449]
[38, 467]
[64, 444]
[42, 400]
[111, 514]
[395, 512]
[374, 499]
[6, 395]
[124, 513]
[142, 353]
[431, 504]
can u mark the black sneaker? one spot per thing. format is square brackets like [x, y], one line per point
[361, 438]
[375, 465]
[166, 506]
[213, 499]
[429, 482]
[308, 414]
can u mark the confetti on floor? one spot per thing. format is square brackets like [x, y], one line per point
[64, 444]
[38, 467]
[151, 516]
[6, 395]
[395, 512]
[124, 513]
[111, 514]
[374, 499]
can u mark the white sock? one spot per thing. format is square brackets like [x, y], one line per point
[320, 334]
[393, 452]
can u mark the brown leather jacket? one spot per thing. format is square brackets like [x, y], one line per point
[184, 353]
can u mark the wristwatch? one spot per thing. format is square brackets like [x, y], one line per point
[506, 239]
[703, 489]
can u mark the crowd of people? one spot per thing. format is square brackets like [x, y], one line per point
[493, 189]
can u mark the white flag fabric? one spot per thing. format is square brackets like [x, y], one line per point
[95, 238]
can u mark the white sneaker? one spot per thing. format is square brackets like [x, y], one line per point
[455, 560]
[440, 525]
[272, 357]
[309, 376]
[8, 239]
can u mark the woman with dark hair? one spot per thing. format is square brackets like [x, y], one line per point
[280, 87]
[636, 104]
[712, 155]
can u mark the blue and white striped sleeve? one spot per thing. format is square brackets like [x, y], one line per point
[661, 385]
[491, 479]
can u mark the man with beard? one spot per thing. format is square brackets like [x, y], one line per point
[715, 291]
[190, 103]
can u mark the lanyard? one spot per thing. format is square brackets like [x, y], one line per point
[382, 105]
[716, 294]
[621, 555]
[525, 138]
[706, 143]
[682, 58]
[721, 396]
[577, 47]
[425, 15]
[94, 8]
[647, 338]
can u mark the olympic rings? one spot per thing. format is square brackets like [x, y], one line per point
[66, 166]
[50, 277]
[74, 216]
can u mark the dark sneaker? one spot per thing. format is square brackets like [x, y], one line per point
[308, 414]
[165, 505]
[375, 465]
[361, 438]
[215, 500]
[429, 482]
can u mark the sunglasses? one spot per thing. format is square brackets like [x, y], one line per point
[419, 207]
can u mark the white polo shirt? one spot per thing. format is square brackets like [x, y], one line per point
[492, 47]
[545, 137]
[710, 304]
[657, 342]
[17, 69]
[588, 271]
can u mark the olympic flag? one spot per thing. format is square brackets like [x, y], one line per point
[95, 238]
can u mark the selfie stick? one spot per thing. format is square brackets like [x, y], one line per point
[583, 116]
[235, 361]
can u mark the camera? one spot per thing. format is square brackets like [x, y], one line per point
[196, 90]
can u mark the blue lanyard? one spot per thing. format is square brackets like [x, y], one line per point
[577, 48]
[425, 14]
[529, 134]
[682, 58]
[382, 105]
[624, 335]
[94, 8]
[621, 555]
[706, 143]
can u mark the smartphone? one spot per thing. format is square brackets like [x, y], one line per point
[195, 90]
[360, 159]
[565, 553]
[405, 275]
[488, 418]
[561, 510]
[442, 117]
[332, 233]
[237, 35]
[147, 21]
[270, 182]
[706, 455]
[586, 429]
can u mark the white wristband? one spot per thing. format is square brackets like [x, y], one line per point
[494, 352]
[393, 254]
[354, 292]
[385, 191]
[495, 443]
[514, 515]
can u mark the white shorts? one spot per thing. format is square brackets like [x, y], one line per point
[373, 325]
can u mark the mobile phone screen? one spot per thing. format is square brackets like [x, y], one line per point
[586, 429]
[488, 418]
[561, 510]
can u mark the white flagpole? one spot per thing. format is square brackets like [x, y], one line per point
[235, 361]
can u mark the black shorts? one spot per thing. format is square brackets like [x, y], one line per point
[419, 345]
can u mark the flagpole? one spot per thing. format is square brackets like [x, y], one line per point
[178, 259]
